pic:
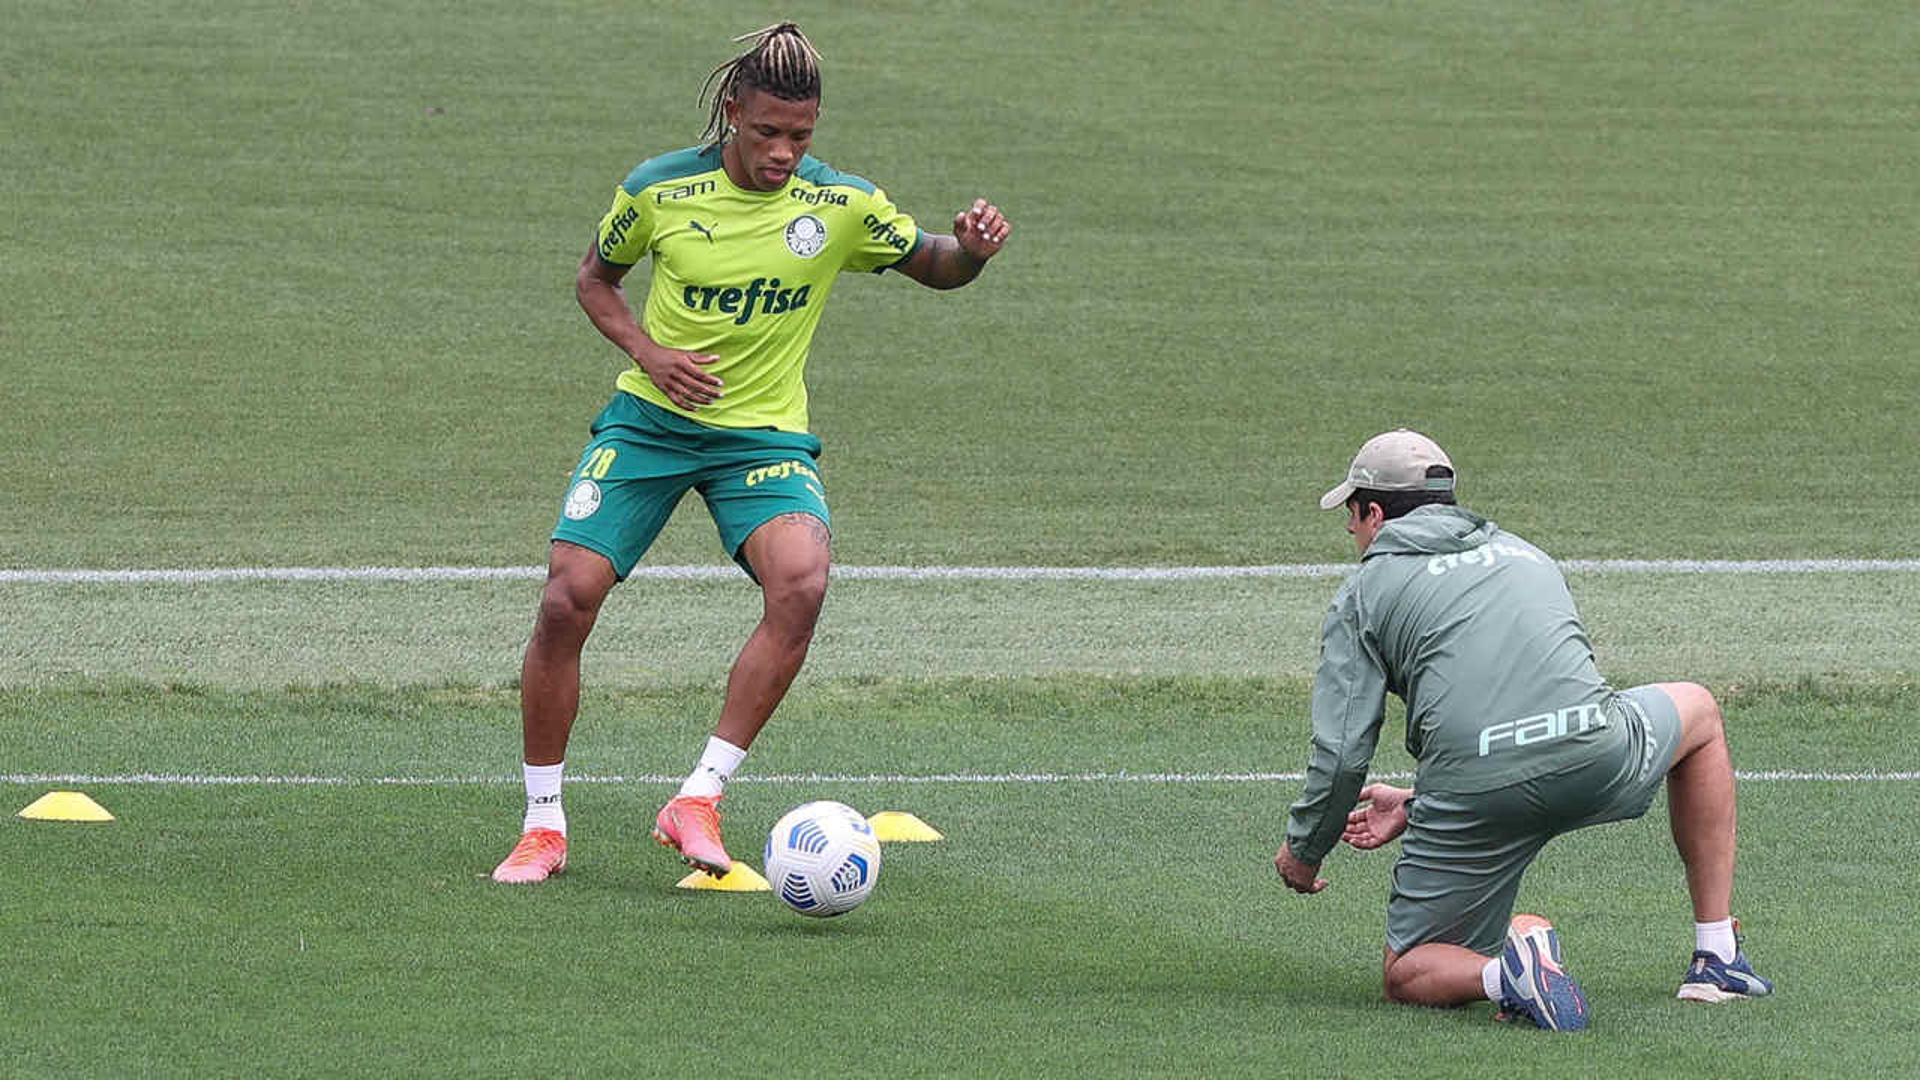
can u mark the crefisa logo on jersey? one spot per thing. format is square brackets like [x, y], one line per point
[583, 499]
[816, 196]
[616, 231]
[884, 232]
[760, 297]
[806, 235]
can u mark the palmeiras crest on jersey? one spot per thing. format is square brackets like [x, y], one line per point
[806, 235]
[582, 500]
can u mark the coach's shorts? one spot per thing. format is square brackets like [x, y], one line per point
[1463, 853]
[642, 459]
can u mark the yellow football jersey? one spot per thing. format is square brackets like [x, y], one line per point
[743, 275]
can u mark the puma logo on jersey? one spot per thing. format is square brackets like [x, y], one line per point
[759, 297]
[703, 230]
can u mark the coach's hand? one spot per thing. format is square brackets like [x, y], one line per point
[1382, 818]
[1299, 877]
[681, 375]
[981, 230]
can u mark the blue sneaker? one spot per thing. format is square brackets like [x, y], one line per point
[1533, 984]
[1715, 980]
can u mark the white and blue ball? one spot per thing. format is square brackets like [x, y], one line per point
[822, 858]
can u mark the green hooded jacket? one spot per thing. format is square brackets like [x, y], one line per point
[1474, 629]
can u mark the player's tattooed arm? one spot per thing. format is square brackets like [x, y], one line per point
[948, 262]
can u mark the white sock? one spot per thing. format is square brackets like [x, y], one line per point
[1716, 938]
[1490, 980]
[716, 765]
[543, 798]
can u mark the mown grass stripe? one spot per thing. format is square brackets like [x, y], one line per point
[187, 576]
[1120, 777]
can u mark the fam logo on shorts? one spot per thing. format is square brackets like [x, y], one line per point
[582, 500]
[806, 236]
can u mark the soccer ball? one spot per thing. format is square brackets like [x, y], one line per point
[822, 858]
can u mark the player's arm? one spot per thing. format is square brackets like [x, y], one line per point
[948, 262]
[1349, 703]
[678, 374]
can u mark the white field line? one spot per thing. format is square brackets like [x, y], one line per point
[920, 573]
[793, 779]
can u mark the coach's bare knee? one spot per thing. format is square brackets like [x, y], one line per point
[1397, 983]
[1397, 977]
[1702, 723]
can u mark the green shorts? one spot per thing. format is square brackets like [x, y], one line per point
[1463, 853]
[643, 459]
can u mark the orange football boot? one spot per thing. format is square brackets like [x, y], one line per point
[690, 824]
[540, 854]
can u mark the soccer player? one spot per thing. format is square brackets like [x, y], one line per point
[1518, 739]
[747, 233]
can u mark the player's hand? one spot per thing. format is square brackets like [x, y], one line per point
[1382, 817]
[1299, 877]
[981, 229]
[682, 376]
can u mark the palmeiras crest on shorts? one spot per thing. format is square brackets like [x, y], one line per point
[582, 500]
[806, 235]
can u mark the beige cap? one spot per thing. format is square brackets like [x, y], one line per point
[1394, 461]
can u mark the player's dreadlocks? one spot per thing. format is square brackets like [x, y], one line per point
[780, 60]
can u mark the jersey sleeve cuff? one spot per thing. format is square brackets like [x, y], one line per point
[919, 237]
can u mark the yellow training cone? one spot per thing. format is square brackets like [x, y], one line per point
[891, 826]
[742, 878]
[65, 806]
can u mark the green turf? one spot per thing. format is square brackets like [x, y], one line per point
[294, 286]
[909, 726]
[1718, 628]
[1137, 923]
[1003, 950]
[291, 285]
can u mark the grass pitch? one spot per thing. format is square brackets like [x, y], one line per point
[1133, 922]
[291, 286]
[1624, 265]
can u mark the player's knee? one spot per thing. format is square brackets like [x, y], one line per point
[796, 594]
[568, 605]
[796, 584]
[1397, 983]
[1702, 723]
